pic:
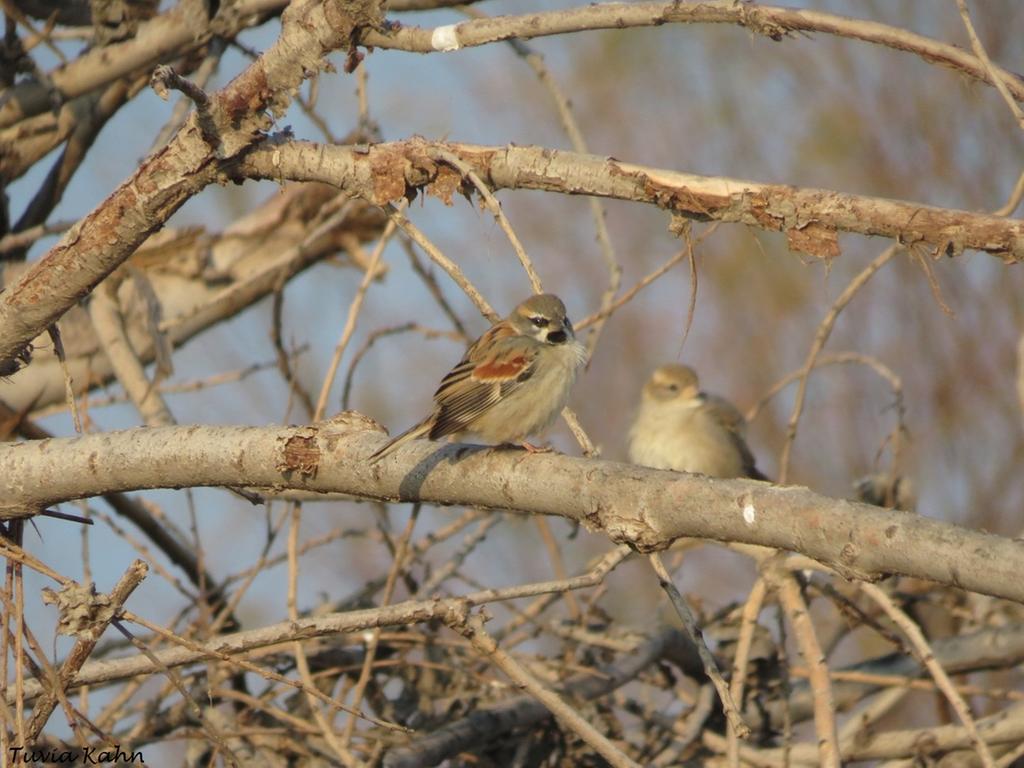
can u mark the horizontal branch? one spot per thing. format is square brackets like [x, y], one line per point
[771, 21]
[645, 508]
[410, 612]
[160, 39]
[811, 218]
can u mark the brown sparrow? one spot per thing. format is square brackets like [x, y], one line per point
[512, 382]
[681, 428]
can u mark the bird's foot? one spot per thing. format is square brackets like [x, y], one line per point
[531, 448]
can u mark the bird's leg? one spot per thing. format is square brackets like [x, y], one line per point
[531, 448]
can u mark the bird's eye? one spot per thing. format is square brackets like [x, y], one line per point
[539, 322]
[673, 387]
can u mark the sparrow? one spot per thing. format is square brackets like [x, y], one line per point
[681, 428]
[886, 490]
[512, 382]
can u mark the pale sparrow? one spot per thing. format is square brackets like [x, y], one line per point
[512, 382]
[679, 427]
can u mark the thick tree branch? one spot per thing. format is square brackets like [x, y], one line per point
[812, 219]
[183, 28]
[200, 278]
[175, 32]
[774, 22]
[101, 241]
[646, 508]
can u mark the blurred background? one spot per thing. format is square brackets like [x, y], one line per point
[810, 111]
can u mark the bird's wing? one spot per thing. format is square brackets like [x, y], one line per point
[728, 415]
[486, 375]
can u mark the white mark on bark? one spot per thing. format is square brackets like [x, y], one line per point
[749, 514]
[445, 38]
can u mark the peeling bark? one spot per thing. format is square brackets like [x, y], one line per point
[647, 509]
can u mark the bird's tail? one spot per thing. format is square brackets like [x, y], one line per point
[412, 433]
[756, 474]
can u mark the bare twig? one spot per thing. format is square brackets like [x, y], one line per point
[165, 78]
[374, 637]
[453, 563]
[1020, 376]
[472, 628]
[625, 298]
[732, 714]
[986, 62]
[488, 722]
[108, 322]
[1016, 194]
[377, 335]
[821, 336]
[442, 261]
[572, 130]
[924, 652]
[209, 727]
[499, 215]
[353, 315]
[748, 622]
[84, 646]
[202, 76]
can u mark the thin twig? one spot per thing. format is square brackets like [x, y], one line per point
[210, 730]
[374, 638]
[927, 657]
[353, 315]
[299, 650]
[84, 646]
[986, 62]
[108, 322]
[821, 336]
[377, 335]
[793, 604]
[495, 208]
[472, 628]
[206, 70]
[1016, 194]
[628, 295]
[16, 241]
[572, 130]
[748, 622]
[430, 281]
[224, 647]
[284, 363]
[585, 443]
[457, 558]
[449, 266]
[192, 650]
[693, 630]
[165, 78]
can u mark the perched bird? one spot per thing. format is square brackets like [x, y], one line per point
[679, 427]
[512, 382]
[887, 490]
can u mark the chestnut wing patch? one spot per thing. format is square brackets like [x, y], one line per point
[474, 386]
[501, 370]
